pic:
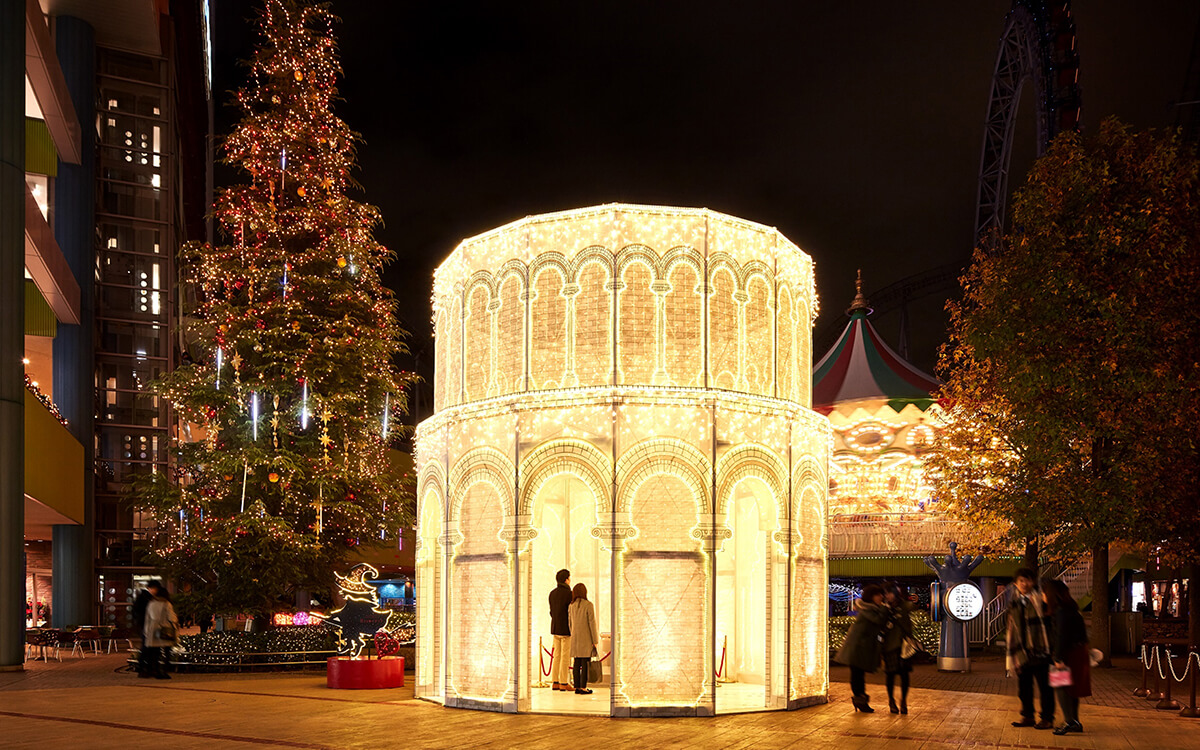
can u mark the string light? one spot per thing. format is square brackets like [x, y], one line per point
[220, 358]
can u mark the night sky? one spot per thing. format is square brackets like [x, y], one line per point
[855, 128]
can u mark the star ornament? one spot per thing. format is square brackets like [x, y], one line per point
[326, 440]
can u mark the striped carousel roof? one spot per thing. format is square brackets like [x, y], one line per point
[861, 366]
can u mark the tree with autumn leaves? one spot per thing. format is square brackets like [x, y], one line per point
[283, 461]
[1072, 362]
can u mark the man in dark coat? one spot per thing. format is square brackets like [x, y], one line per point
[1028, 643]
[560, 628]
[143, 599]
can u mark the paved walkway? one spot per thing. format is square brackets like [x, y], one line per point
[85, 703]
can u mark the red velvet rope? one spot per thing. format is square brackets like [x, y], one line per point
[722, 667]
[542, 663]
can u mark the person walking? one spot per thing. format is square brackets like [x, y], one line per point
[585, 636]
[1069, 650]
[896, 630]
[161, 632]
[861, 650]
[140, 602]
[560, 629]
[1028, 652]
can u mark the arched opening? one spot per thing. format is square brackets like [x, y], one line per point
[664, 627]
[480, 615]
[564, 513]
[745, 573]
[429, 593]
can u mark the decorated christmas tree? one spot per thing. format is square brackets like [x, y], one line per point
[283, 460]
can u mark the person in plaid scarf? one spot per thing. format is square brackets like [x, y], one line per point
[1029, 649]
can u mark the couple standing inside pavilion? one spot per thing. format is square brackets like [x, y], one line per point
[576, 634]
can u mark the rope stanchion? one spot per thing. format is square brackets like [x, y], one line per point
[1143, 691]
[542, 670]
[1191, 709]
[1156, 690]
[721, 674]
[1167, 703]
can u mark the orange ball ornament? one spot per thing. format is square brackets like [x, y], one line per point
[273, 477]
[341, 262]
[299, 75]
[300, 191]
[295, 325]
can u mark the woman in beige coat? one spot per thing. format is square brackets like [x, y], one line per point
[585, 636]
[160, 634]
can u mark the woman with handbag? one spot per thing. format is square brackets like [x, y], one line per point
[161, 632]
[585, 636]
[861, 651]
[898, 648]
[1071, 675]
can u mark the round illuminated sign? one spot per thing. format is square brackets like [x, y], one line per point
[964, 601]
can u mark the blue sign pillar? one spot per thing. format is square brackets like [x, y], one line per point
[952, 652]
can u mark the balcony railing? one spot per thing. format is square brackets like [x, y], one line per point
[891, 533]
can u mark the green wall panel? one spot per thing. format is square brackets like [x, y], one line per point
[40, 155]
[39, 318]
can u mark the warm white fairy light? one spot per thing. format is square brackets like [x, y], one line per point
[651, 355]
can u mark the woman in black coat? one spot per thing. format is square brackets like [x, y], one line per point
[1069, 649]
[861, 651]
[896, 630]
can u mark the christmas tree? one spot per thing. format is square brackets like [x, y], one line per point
[287, 416]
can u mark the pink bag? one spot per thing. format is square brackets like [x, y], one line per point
[1060, 678]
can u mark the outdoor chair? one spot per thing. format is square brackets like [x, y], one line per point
[35, 643]
[43, 640]
[86, 636]
[65, 639]
[119, 634]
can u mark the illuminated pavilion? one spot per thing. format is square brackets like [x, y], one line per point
[624, 391]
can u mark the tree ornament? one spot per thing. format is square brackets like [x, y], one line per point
[300, 191]
[341, 262]
[299, 75]
[273, 477]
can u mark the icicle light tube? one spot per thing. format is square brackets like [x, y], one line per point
[624, 391]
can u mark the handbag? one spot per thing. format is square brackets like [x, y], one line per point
[167, 632]
[595, 671]
[909, 648]
[1060, 677]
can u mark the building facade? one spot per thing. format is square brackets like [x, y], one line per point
[112, 135]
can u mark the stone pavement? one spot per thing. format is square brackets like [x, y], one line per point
[1110, 687]
[86, 703]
